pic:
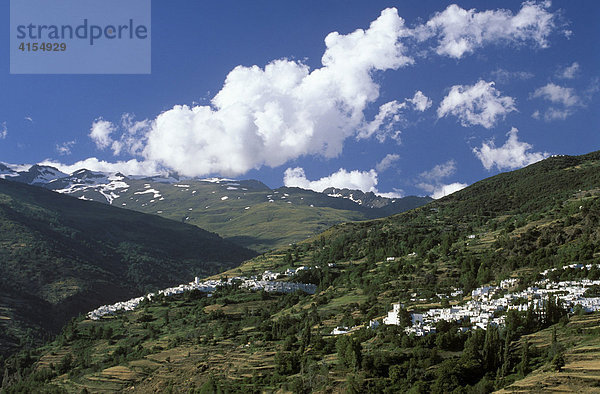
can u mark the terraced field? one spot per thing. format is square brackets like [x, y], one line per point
[581, 373]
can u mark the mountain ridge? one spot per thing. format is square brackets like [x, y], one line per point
[226, 206]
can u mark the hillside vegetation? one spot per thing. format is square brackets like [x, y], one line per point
[510, 225]
[61, 256]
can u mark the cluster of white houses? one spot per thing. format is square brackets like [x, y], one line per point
[488, 302]
[119, 306]
[261, 282]
[278, 286]
[571, 266]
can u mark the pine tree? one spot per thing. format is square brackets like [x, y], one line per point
[473, 346]
[506, 356]
[558, 362]
[491, 349]
[524, 364]
[555, 347]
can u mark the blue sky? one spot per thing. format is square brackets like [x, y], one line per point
[428, 98]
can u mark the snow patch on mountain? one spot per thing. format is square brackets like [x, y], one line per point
[6, 171]
[107, 185]
[216, 180]
[156, 193]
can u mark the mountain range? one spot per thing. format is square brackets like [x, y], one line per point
[278, 217]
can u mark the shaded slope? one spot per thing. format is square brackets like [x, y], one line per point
[60, 256]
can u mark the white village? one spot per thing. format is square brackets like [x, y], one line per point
[489, 302]
[487, 305]
[266, 281]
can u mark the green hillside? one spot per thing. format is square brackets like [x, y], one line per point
[230, 208]
[60, 256]
[511, 225]
[539, 216]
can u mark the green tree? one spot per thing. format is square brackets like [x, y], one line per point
[506, 361]
[287, 363]
[66, 363]
[524, 364]
[558, 362]
[349, 352]
[492, 349]
[448, 376]
[209, 387]
[472, 349]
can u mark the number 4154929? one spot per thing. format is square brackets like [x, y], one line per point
[43, 47]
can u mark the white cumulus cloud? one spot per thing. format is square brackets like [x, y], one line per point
[384, 122]
[342, 179]
[444, 190]
[553, 113]
[502, 76]
[268, 116]
[479, 104]
[564, 101]
[100, 133]
[420, 102]
[513, 154]
[558, 95]
[458, 31]
[390, 115]
[387, 162]
[440, 171]
[130, 167]
[365, 181]
[397, 193]
[133, 137]
[3, 131]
